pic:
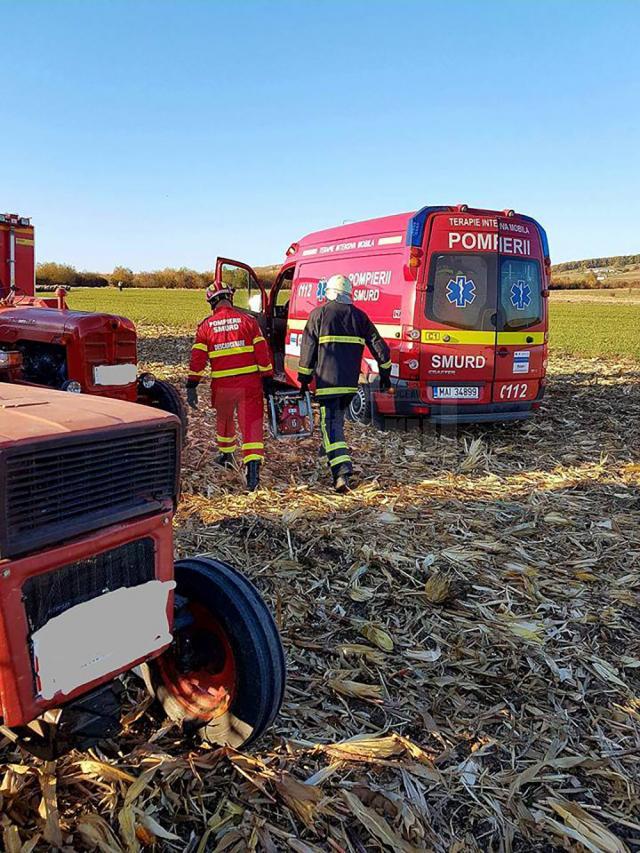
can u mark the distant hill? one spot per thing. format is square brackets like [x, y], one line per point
[617, 271]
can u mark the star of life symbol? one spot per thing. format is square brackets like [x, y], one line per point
[520, 295]
[321, 292]
[461, 291]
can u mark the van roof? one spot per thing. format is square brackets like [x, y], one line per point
[352, 230]
[410, 225]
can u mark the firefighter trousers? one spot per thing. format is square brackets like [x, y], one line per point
[242, 396]
[332, 412]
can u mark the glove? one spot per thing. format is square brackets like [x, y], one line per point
[268, 385]
[304, 381]
[192, 396]
[385, 380]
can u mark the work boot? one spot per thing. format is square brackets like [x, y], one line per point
[253, 475]
[225, 460]
[341, 484]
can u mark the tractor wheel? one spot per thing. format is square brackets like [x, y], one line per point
[223, 677]
[165, 396]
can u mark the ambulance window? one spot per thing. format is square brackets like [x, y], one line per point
[247, 293]
[461, 290]
[520, 297]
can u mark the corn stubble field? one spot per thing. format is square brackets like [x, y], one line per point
[462, 634]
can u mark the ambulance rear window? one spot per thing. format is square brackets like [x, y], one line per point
[462, 290]
[520, 299]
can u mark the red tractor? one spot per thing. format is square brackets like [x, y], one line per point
[89, 588]
[48, 344]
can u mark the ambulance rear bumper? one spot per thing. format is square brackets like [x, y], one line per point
[408, 402]
[480, 414]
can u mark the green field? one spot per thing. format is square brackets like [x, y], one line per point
[593, 329]
[148, 307]
[587, 323]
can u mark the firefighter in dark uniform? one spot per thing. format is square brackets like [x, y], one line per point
[332, 347]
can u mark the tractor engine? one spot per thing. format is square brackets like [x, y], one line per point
[43, 364]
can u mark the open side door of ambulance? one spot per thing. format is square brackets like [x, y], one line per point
[520, 362]
[250, 294]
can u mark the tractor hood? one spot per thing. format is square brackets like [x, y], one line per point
[17, 320]
[28, 413]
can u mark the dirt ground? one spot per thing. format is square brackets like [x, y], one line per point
[470, 614]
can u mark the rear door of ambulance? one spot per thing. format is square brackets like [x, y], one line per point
[458, 310]
[522, 312]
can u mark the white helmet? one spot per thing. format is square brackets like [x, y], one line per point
[338, 285]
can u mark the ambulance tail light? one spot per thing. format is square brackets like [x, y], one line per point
[413, 264]
[415, 257]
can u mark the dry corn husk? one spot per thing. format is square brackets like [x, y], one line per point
[437, 589]
[507, 719]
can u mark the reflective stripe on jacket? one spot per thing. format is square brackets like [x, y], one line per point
[230, 343]
[332, 345]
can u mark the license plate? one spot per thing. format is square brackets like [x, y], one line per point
[101, 636]
[456, 392]
[115, 374]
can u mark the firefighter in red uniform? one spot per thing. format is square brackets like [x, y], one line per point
[230, 341]
[332, 345]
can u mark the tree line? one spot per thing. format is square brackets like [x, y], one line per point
[50, 275]
[616, 261]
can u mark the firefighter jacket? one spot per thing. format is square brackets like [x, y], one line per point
[332, 347]
[231, 343]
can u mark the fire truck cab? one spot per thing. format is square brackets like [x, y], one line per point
[458, 293]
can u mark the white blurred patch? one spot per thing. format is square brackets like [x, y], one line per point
[115, 374]
[101, 636]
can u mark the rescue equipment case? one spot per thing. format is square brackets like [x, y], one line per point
[290, 414]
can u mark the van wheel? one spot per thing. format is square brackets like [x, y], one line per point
[165, 396]
[223, 677]
[360, 407]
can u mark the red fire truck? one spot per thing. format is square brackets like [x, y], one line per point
[89, 588]
[69, 350]
[458, 293]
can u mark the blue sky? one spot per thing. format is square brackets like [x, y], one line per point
[156, 133]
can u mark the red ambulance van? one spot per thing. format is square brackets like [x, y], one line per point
[458, 294]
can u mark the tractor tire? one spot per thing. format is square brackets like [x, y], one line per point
[231, 689]
[165, 396]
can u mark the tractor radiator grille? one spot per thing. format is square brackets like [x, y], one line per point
[50, 594]
[61, 489]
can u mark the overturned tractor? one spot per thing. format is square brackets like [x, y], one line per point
[43, 342]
